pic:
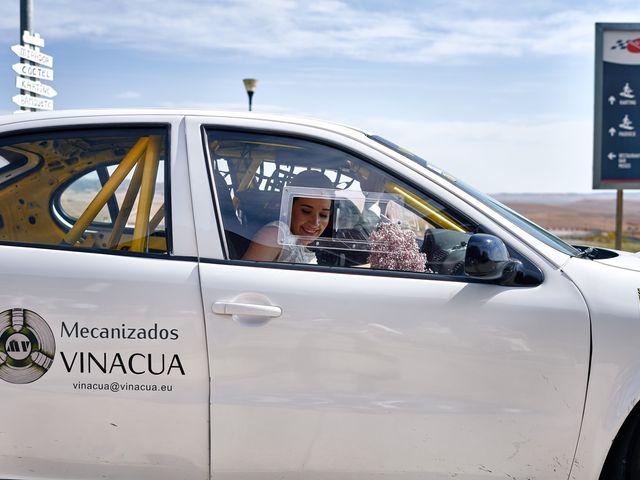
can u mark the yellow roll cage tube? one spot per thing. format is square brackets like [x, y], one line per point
[145, 157]
[424, 208]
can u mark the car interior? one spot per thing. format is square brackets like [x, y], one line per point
[250, 174]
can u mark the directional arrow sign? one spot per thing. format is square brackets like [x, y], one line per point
[33, 71]
[617, 108]
[35, 39]
[35, 87]
[33, 102]
[32, 55]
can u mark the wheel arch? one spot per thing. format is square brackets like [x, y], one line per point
[612, 413]
[617, 462]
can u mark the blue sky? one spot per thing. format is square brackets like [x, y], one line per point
[498, 92]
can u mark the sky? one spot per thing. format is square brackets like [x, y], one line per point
[497, 92]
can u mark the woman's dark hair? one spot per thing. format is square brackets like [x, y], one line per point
[311, 179]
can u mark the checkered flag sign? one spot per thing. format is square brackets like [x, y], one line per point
[621, 44]
[631, 46]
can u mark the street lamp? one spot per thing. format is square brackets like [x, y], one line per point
[250, 86]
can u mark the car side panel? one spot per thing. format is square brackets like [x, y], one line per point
[78, 421]
[403, 378]
[127, 393]
[367, 376]
[612, 296]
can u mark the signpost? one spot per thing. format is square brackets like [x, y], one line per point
[33, 55]
[32, 71]
[616, 153]
[35, 40]
[33, 65]
[33, 102]
[35, 87]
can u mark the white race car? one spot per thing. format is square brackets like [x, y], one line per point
[201, 295]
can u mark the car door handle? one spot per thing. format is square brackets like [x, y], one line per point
[249, 309]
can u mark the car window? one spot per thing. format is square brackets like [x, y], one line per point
[99, 189]
[292, 200]
[522, 222]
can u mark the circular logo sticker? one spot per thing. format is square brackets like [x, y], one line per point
[27, 346]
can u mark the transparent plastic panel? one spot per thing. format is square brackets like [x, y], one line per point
[352, 217]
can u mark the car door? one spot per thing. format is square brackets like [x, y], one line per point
[103, 367]
[357, 372]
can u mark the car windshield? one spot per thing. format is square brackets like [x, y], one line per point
[522, 222]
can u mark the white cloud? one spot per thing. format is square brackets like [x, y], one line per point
[543, 155]
[128, 95]
[417, 32]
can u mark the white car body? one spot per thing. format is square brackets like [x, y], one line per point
[360, 377]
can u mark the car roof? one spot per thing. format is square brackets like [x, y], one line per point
[20, 117]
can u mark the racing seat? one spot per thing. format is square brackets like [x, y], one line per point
[235, 232]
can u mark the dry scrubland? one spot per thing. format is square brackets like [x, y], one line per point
[584, 219]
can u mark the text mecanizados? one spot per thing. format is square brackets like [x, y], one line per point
[121, 332]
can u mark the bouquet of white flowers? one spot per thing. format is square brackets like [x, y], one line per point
[395, 249]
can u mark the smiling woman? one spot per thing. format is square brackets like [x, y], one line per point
[308, 219]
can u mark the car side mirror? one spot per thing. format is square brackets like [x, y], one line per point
[487, 258]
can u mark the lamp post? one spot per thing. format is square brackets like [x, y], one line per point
[250, 86]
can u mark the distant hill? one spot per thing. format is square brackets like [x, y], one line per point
[576, 211]
[558, 198]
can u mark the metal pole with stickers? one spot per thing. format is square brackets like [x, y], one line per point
[34, 65]
[616, 152]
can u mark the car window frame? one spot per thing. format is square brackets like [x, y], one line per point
[117, 125]
[479, 227]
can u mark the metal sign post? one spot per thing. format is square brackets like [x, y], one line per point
[26, 8]
[616, 155]
[33, 65]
